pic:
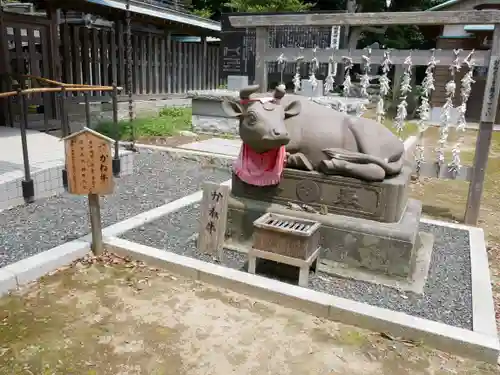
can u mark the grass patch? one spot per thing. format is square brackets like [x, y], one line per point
[169, 122]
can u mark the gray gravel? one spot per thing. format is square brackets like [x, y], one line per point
[46, 223]
[447, 296]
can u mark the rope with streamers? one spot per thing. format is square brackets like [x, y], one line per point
[330, 78]
[281, 60]
[424, 110]
[364, 81]
[450, 88]
[314, 67]
[297, 79]
[348, 65]
[404, 90]
[465, 92]
[384, 82]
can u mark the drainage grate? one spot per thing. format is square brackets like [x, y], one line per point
[290, 225]
[285, 235]
[294, 225]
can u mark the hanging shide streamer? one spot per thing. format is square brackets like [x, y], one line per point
[384, 83]
[364, 81]
[450, 88]
[314, 67]
[347, 61]
[404, 90]
[330, 78]
[297, 80]
[424, 110]
[281, 60]
[465, 91]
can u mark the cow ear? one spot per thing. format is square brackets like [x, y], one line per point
[232, 108]
[293, 109]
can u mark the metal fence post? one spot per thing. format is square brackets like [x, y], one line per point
[27, 185]
[64, 129]
[116, 128]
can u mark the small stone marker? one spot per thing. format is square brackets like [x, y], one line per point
[213, 219]
[89, 170]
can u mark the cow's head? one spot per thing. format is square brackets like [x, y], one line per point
[262, 125]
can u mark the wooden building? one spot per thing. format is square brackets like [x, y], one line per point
[464, 37]
[86, 42]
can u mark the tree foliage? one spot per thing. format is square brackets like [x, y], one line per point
[268, 5]
[398, 37]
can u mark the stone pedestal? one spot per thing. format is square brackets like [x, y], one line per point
[381, 201]
[237, 82]
[385, 248]
[371, 228]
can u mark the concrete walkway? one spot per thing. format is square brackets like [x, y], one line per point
[221, 146]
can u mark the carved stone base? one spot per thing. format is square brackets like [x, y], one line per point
[383, 248]
[383, 201]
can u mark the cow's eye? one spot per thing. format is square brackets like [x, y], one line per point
[252, 119]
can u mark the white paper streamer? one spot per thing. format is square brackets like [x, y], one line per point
[384, 82]
[404, 90]
[424, 110]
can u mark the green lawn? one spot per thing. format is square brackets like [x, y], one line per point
[170, 121]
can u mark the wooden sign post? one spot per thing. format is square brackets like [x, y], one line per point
[213, 219]
[89, 170]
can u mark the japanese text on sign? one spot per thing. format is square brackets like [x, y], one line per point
[213, 218]
[88, 164]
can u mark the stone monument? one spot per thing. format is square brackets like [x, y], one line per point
[305, 160]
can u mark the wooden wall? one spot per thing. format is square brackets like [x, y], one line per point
[159, 65]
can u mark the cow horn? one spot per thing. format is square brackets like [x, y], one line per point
[247, 91]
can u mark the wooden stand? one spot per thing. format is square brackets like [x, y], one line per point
[304, 265]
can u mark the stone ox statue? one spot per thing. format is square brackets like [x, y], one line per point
[292, 130]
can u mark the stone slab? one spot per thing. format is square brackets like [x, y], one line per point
[384, 201]
[7, 282]
[415, 283]
[32, 268]
[214, 125]
[384, 248]
[237, 82]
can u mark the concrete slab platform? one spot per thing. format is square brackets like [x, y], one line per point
[230, 147]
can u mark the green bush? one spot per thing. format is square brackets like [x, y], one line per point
[170, 121]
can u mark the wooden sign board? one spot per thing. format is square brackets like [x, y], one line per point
[89, 163]
[213, 219]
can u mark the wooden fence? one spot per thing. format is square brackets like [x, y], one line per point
[32, 45]
[159, 65]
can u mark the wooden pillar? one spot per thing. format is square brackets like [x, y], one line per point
[205, 63]
[4, 68]
[260, 54]
[483, 141]
[168, 56]
[55, 58]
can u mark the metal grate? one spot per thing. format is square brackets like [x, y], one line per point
[288, 224]
[294, 225]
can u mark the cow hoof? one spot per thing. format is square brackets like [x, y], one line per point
[299, 161]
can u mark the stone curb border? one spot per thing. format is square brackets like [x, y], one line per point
[481, 344]
[17, 274]
[441, 336]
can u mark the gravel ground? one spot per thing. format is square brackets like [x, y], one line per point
[447, 296]
[46, 223]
